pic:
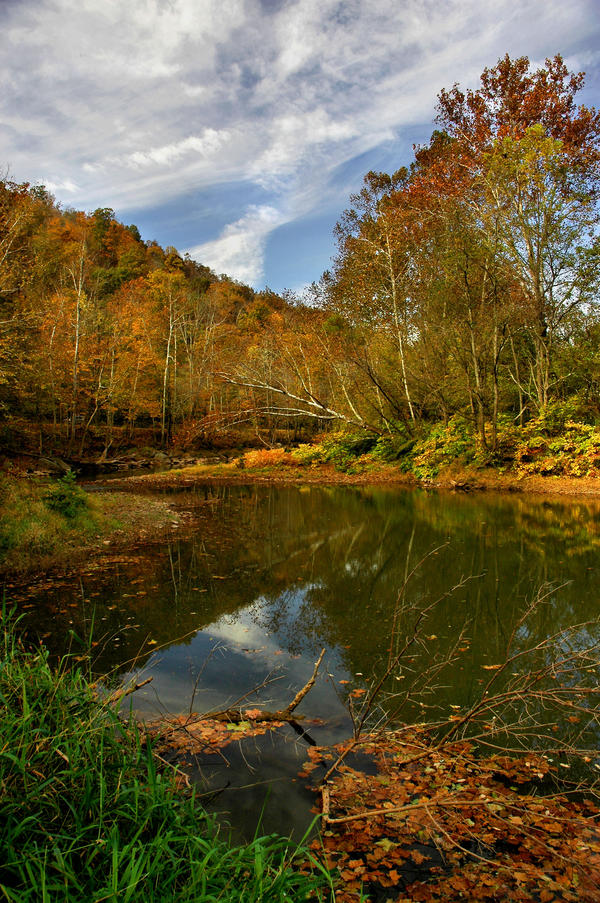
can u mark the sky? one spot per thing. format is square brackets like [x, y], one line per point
[235, 130]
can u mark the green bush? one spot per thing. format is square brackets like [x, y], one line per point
[305, 455]
[344, 449]
[574, 452]
[67, 497]
[393, 448]
[443, 446]
[553, 419]
[38, 520]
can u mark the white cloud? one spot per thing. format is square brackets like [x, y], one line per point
[135, 104]
[238, 251]
[61, 186]
[205, 145]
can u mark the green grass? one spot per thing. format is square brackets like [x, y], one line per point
[85, 815]
[39, 520]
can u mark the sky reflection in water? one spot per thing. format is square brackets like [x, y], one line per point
[272, 575]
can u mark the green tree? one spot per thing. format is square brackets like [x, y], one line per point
[544, 210]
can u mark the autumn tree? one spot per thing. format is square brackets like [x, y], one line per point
[532, 155]
[372, 268]
[21, 211]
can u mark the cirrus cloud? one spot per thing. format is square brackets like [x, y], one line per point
[141, 105]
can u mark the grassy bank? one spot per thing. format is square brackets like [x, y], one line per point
[47, 523]
[550, 455]
[86, 815]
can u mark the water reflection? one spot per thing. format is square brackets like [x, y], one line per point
[271, 575]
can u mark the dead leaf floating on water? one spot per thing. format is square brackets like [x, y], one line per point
[411, 827]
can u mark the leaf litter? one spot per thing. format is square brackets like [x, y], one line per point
[197, 734]
[445, 824]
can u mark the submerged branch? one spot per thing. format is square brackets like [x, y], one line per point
[234, 716]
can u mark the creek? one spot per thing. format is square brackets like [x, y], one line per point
[271, 574]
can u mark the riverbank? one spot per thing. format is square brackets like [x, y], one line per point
[52, 524]
[88, 812]
[48, 524]
[453, 478]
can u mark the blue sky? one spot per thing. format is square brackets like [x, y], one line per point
[236, 129]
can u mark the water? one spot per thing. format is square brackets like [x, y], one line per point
[273, 574]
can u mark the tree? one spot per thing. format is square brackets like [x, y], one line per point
[167, 291]
[545, 211]
[19, 212]
[371, 275]
[531, 154]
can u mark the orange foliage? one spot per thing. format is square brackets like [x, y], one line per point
[267, 457]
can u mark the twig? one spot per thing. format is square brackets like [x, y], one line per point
[235, 715]
[409, 807]
[326, 802]
[118, 695]
[305, 689]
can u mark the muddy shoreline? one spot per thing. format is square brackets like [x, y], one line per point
[453, 480]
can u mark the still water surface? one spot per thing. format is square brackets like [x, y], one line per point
[273, 574]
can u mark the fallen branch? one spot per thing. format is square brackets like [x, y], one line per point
[211, 730]
[235, 716]
[305, 689]
[395, 810]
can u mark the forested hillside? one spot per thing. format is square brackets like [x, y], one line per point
[102, 330]
[464, 290]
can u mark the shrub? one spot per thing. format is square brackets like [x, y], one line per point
[344, 449]
[305, 455]
[266, 457]
[67, 497]
[393, 448]
[445, 445]
[553, 419]
[575, 452]
[38, 521]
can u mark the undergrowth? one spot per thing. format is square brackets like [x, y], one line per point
[553, 443]
[35, 518]
[85, 815]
